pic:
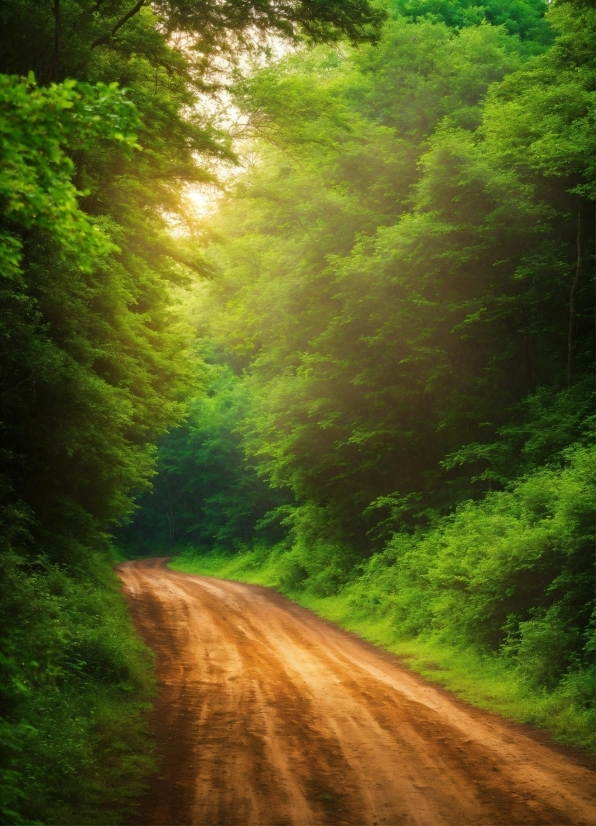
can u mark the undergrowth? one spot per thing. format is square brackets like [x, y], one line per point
[494, 602]
[76, 685]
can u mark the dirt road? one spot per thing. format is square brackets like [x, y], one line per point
[270, 716]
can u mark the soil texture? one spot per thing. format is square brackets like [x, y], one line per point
[268, 715]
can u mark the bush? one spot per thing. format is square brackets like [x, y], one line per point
[511, 575]
[76, 685]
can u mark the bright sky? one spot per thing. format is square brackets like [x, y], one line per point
[227, 116]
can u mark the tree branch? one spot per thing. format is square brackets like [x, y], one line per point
[105, 38]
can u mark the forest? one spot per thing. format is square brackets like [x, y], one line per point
[395, 350]
[363, 375]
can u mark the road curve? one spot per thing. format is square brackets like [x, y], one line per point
[268, 715]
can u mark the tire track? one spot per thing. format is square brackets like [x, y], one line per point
[268, 715]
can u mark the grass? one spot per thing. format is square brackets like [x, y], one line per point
[487, 682]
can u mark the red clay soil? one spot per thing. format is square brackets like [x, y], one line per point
[269, 715]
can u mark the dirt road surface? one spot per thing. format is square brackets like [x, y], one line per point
[268, 715]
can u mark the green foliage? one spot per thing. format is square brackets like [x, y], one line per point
[546, 113]
[75, 680]
[76, 685]
[318, 559]
[539, 431]
[396, 270]
[86, 382]
[36, 190]
[501, 561]
[510, 577]
[525, 19]
[206, 492]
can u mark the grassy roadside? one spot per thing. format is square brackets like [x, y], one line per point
[486, 682]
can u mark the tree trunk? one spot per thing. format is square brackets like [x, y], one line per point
[570, 335]
[57, 41]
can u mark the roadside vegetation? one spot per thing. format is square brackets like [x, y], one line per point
[396, 349]
[449, 599]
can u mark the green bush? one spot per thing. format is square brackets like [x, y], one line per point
[510, 576]
[76, 686]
